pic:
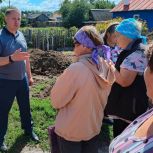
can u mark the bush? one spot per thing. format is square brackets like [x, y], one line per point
[101, 27]
[1, 19]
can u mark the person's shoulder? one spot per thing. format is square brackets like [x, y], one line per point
[21, 35]
[142, 47]
[20, 32]
[76, 65]
[140, 50]
[74, 69]
[2, 33]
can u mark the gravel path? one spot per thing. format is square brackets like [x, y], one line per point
[28, 149]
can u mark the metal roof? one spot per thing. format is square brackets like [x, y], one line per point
[134, 5]
[100, 14]
[34, 16]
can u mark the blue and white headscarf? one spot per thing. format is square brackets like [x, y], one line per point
[83, 39]
[130, 29]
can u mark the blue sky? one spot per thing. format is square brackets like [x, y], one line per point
[42, 5]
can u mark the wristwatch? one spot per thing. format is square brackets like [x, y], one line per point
[10, 59]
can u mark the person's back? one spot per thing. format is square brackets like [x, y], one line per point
[80, 95]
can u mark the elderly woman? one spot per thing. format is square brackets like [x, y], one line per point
[138, 136]
[80, 95]
[128, 98]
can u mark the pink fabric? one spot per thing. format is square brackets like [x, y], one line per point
[80, 94]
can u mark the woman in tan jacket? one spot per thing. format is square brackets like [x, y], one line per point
[80, 95]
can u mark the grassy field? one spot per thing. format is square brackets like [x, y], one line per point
[43, 115]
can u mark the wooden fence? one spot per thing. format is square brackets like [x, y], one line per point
[49, 39]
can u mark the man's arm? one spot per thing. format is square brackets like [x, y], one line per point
[16, 56]
[4, 60]
[28, 70]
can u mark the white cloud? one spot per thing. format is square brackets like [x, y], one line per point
[45, 5]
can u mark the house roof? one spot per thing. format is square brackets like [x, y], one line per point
[134, 5]
[100, 14]
[34, 16]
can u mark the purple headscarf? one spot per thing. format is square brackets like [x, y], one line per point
[83, 39]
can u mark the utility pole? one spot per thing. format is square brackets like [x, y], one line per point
[9, 3]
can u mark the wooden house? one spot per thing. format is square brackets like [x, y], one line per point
[139, 9]
[98, 15]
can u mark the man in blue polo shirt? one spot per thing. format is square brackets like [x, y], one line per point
[15, 75]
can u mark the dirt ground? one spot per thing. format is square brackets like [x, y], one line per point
[45, 65]
[48, 63]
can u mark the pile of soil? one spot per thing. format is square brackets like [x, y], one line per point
[48, 63]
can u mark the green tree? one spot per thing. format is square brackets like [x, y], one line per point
[1, 19]
[75, 12]
[65, 11]
[1, 16]
[91, 1]
[103, 4]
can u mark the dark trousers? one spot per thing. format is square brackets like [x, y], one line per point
[9, 89]
[90, 146]
[118, 127]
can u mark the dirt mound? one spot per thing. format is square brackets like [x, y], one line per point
[48, 63]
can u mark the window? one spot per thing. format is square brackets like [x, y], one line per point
[136, 16]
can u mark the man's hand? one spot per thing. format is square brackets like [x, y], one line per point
[20, 56]
[31, 81]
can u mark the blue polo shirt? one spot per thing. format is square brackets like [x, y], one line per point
[9, 43]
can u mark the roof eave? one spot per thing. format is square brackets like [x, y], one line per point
[132, 10]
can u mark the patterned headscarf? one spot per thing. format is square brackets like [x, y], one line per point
[83, 39]
[130, 29]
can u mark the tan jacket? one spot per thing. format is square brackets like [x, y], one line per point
[80, 94]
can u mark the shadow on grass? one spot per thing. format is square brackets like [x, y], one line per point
[19, 144]
[106, 136]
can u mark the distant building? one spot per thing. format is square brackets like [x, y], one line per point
[43, 20]
[99, 15]
[37, 20]
[140, 9]
[55, 20]
[57, 16]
